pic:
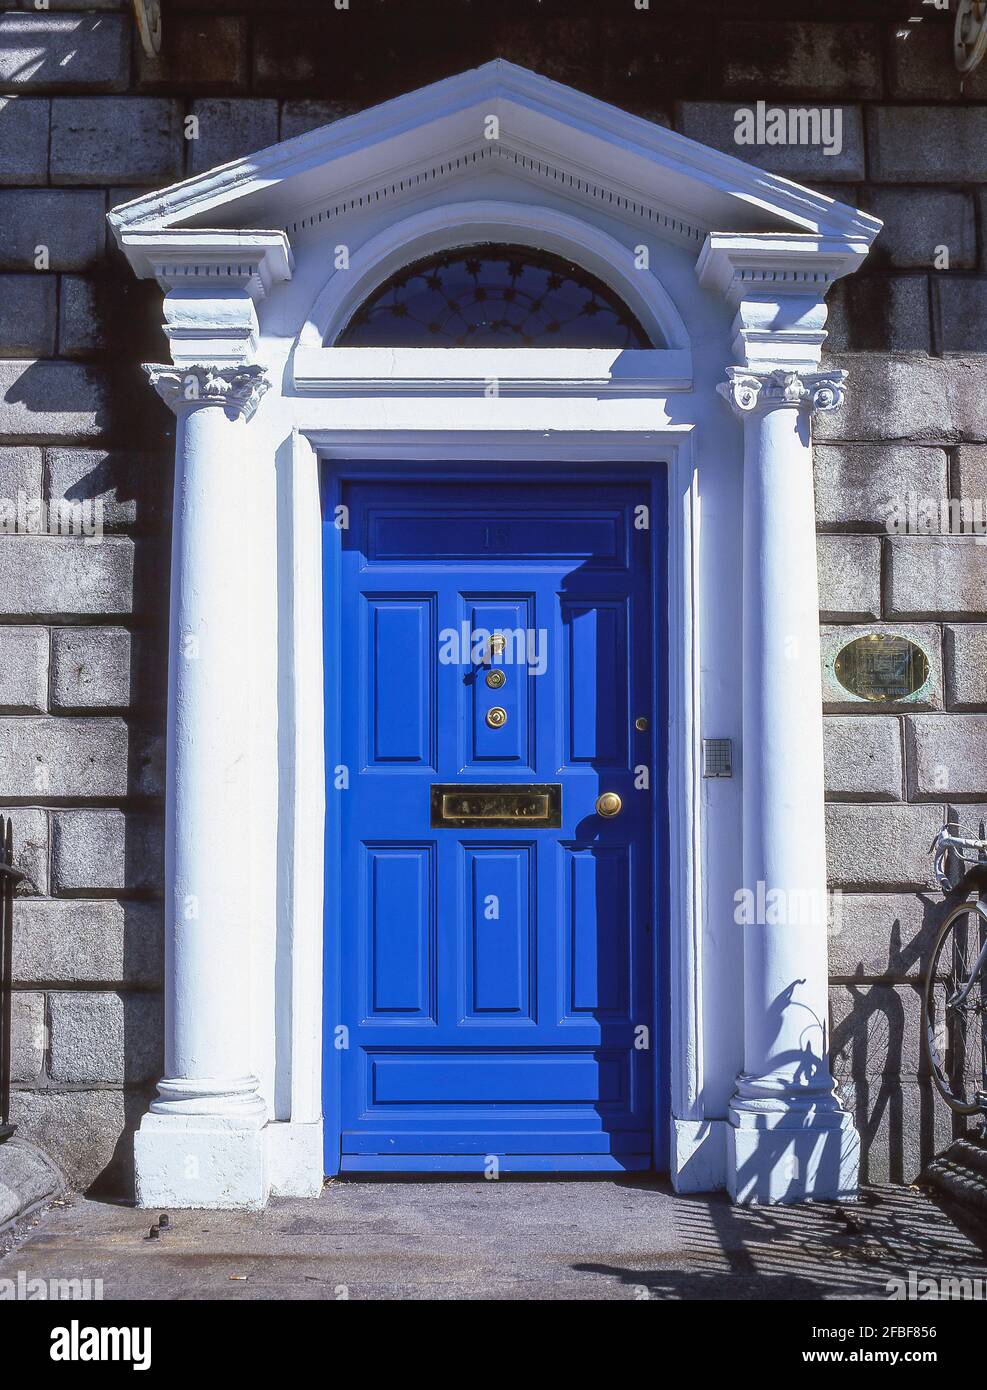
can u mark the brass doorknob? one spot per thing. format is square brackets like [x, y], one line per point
[608, 804]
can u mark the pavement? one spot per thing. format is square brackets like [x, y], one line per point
[622, 1238]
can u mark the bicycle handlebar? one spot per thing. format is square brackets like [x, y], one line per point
[962, 846]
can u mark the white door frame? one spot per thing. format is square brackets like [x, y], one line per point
[680, 977]
[742, 264]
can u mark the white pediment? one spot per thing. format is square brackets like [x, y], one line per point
[541, 131]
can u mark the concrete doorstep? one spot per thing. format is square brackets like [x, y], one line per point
[606, 1239]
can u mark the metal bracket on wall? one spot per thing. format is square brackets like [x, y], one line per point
[970, 35]
[148, 16]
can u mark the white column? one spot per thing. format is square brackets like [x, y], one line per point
[789, 1139]
[201, 1144]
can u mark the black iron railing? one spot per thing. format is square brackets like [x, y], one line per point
[9, 878]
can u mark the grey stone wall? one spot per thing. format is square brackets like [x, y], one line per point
[895, 773]
[86, 119]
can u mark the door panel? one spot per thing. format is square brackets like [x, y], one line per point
[399, 912]
[500, 909]
[495, 982]
[401, 679]
[514, 742]
[595, 711]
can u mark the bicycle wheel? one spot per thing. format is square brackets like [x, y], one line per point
[953, 1010]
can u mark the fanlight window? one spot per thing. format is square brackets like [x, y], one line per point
[494, 296]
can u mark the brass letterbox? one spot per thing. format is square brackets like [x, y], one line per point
[496, 805]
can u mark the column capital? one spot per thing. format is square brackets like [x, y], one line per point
[748, 392]
[237, 389]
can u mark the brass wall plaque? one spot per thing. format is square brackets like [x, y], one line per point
[493, 805]
[882, 667]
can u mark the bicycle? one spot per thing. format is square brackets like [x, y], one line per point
[955, 990]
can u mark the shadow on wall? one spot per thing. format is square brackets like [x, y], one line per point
[140, 1016]
[877, 1060]
[93, 387]
[85, 49]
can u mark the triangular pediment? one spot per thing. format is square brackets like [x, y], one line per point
[544, 131]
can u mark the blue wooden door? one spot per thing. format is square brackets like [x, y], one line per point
[495, 988]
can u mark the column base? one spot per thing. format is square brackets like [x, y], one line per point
[195, 1160]
[816, 1161]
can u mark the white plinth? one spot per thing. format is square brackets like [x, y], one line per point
[200, 1161]
[819, 1163]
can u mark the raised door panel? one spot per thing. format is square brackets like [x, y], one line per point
[399, 933]
[400, 682]
[500, 924]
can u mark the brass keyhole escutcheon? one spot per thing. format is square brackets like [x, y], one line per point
[495, 679]
[641, 724]
[497, 717]
[608, 804]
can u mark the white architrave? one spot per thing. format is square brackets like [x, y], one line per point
[697, 1141]
[766, 245]
[346, 372]
[295, 1143]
